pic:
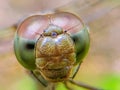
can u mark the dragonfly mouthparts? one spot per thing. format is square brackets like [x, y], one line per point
[56, 75]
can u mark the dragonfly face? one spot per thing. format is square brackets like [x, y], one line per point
[55, 54]
[52, 44]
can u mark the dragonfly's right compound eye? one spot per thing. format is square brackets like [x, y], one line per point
[24, 50]
[26, 37]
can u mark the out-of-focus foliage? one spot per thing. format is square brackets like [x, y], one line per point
[111, 82]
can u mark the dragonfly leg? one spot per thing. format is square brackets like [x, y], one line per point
[67, 87]
[83, 85]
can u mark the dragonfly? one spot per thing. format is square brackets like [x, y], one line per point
[95, 15]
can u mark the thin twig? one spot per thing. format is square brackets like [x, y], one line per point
[84, 85]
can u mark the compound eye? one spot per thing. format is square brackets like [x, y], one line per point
[26, 37]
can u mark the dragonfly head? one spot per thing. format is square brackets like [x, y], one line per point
[53, 44]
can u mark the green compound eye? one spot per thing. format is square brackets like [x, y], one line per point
[24, 50]
[52, 42]
[82, 43]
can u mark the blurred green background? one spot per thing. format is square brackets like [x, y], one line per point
[101, 66]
